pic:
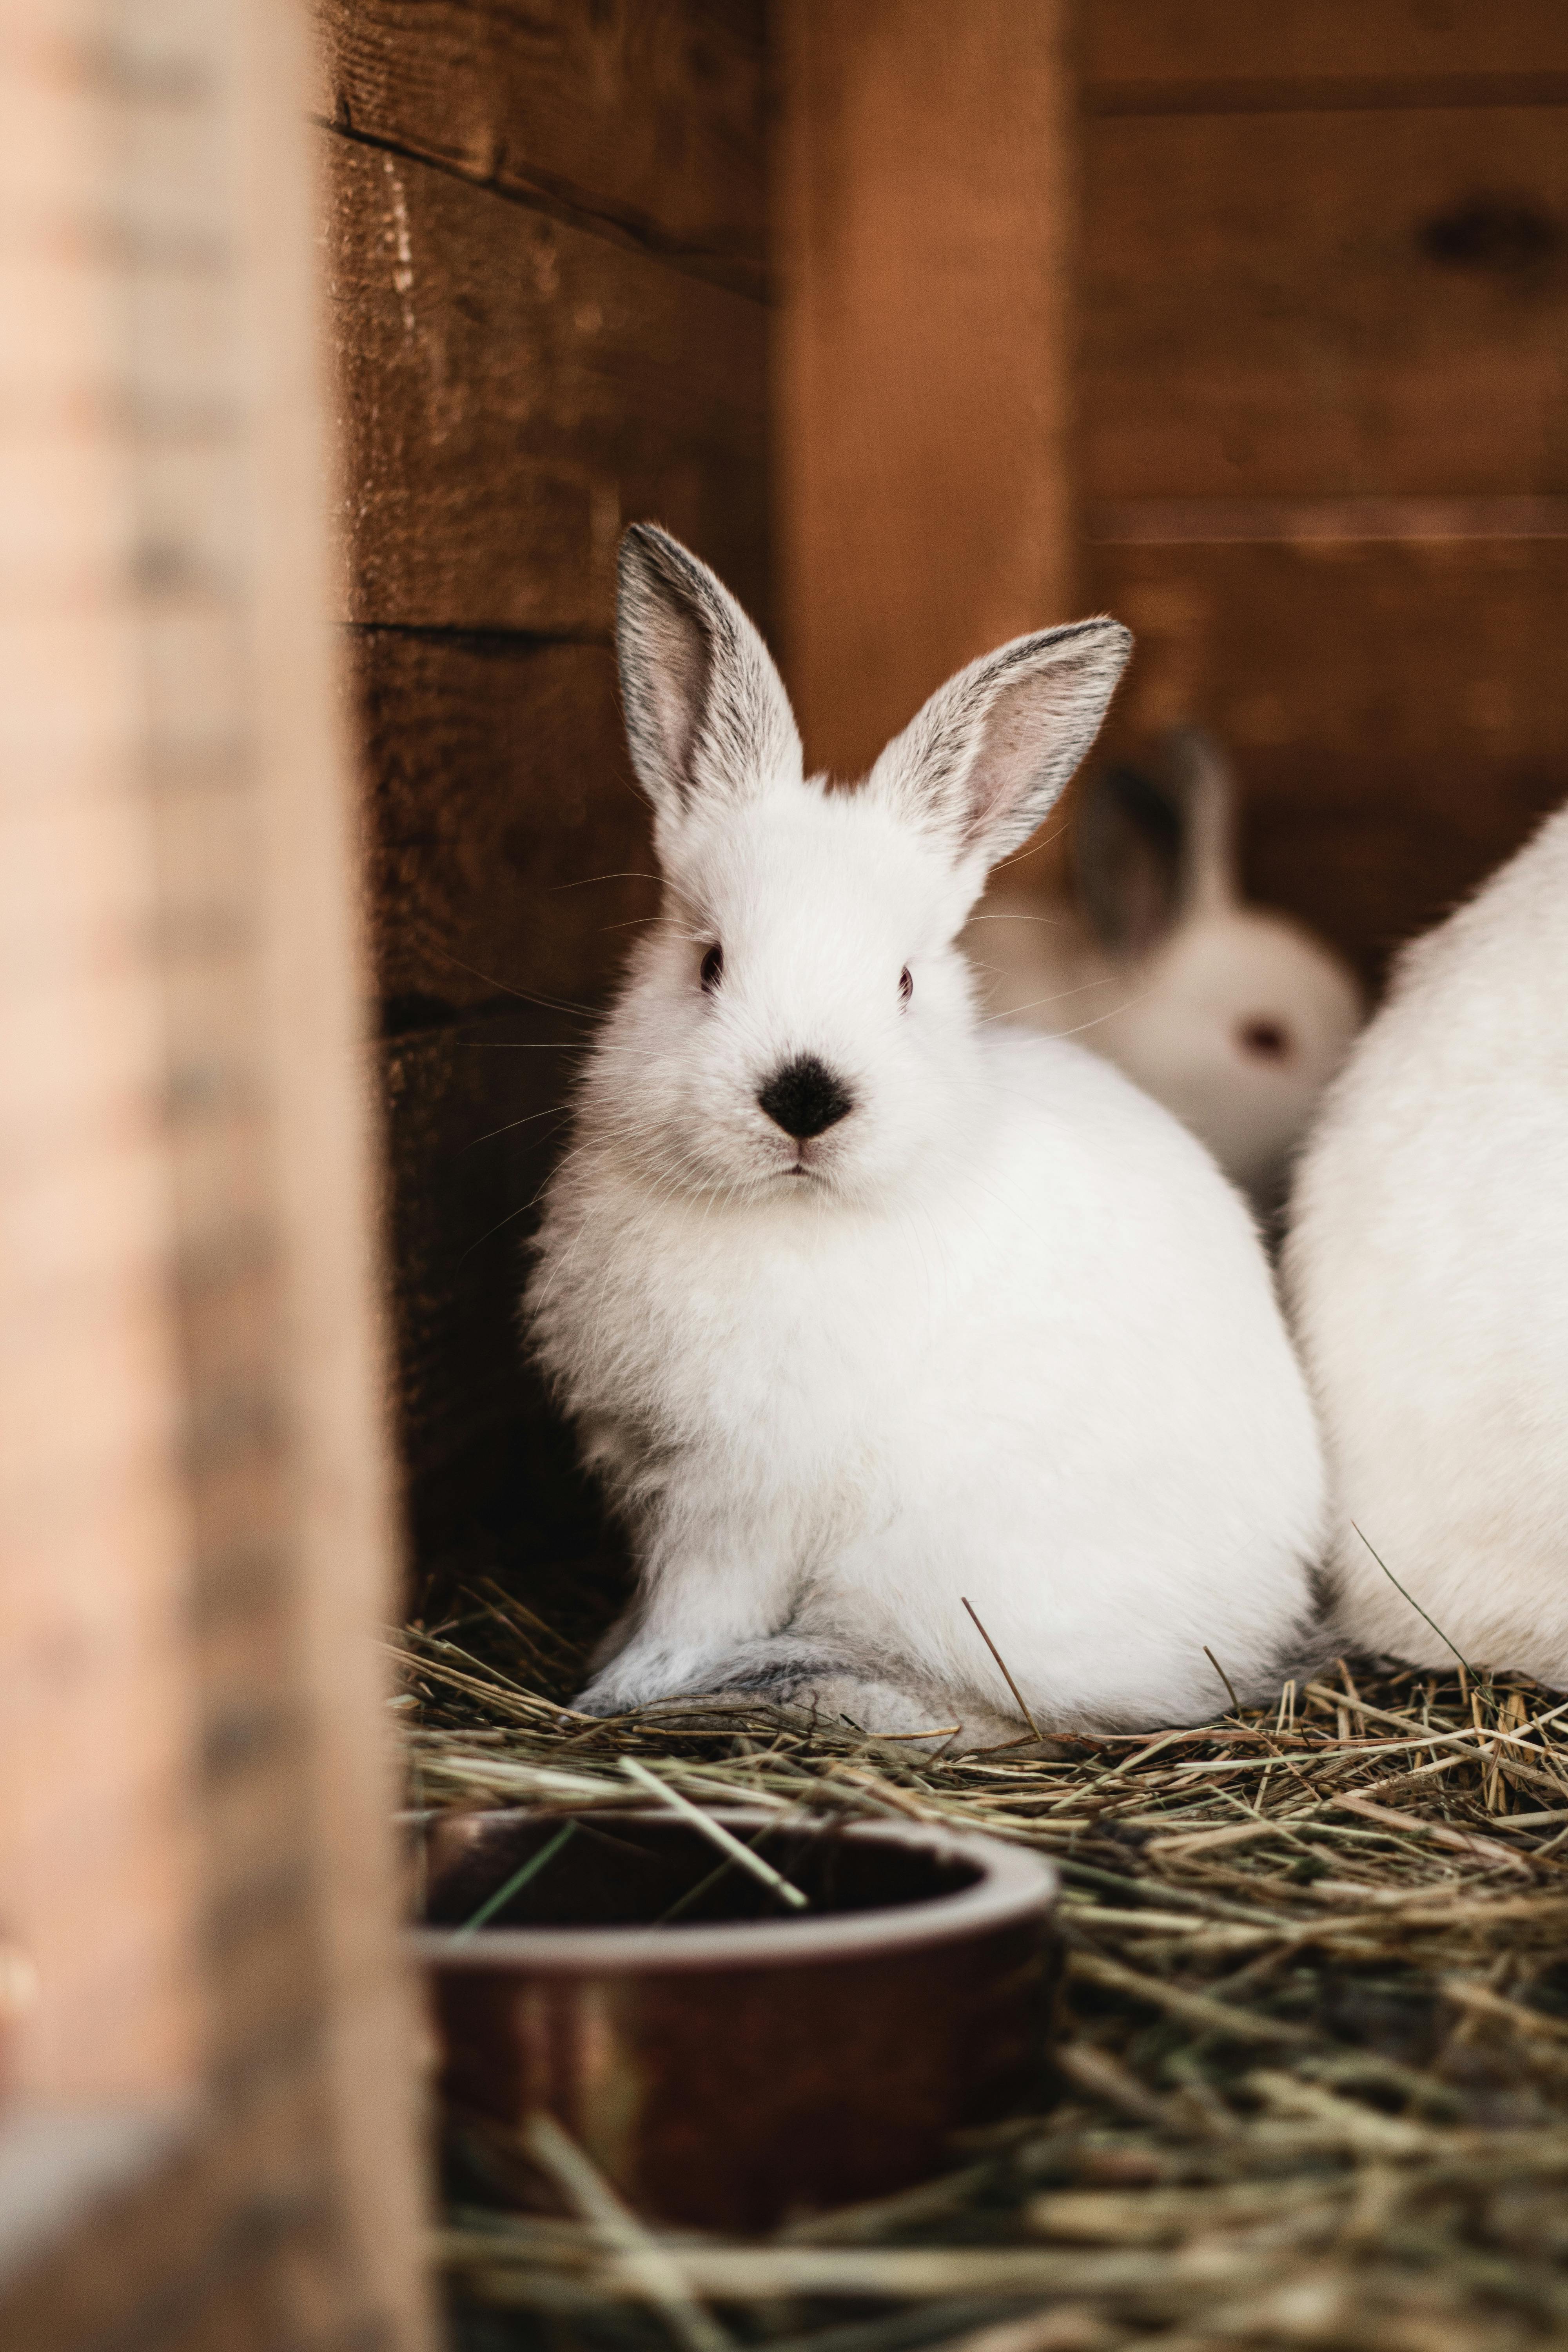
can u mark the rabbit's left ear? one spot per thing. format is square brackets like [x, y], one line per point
[705, 708]
[1151, 853]
[983, 762]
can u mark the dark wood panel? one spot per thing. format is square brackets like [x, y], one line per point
[1326, 305]
[507, 846]
[1169, 45]
[513, 389]
[1399, 715]
[474, 1113]
[491, 1483]
[648, 114]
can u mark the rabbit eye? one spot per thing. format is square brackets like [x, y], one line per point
[906, 984]
[1264, 1040]
[713, 970]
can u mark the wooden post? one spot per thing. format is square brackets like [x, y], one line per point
[211, 2136]
[924, 244]
[312, 1053]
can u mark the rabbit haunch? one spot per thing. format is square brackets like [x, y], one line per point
[996, 1329]
[1233, 1017]
[1428, 1264]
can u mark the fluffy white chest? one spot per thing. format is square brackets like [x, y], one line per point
[784, 1342]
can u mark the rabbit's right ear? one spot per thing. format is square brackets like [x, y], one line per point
[706, 711]
[981, 764]
[1204, 785]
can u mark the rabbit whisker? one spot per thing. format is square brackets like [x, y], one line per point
[1036, 841]
[1059, 998]
[1124, 1007]
[1052, 922]
[559, 1111]
[524, 996]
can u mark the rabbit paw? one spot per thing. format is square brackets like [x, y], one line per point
[851, 1692]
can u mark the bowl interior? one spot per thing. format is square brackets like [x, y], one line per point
[638, 1871]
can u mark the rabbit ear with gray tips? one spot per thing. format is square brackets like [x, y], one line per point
[984, 760]
[705, 708]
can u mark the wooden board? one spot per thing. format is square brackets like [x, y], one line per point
[499, 794]
[514, 390]
[474, 1114]
[1399, 715]
[508, 847]
[1326, 305]
[647, 116]
[923, 221]
[547, 246]
[1172, 52]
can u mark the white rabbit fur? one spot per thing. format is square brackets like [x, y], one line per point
[1428, 1264]
[1233, 1017]
[1002, 1332]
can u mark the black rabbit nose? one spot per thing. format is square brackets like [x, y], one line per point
[804, 1097]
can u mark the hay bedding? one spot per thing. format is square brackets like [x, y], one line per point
[1313, 2074]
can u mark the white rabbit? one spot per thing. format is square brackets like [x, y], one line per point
[1234, 1018]
[1427, 1264]
[863, 1310]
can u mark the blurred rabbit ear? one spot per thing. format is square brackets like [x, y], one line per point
[1129, 849]
[1149, 853]
[1205, 785]
[982, 762]
[706, 711]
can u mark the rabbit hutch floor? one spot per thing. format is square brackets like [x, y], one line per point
[1311, 2086]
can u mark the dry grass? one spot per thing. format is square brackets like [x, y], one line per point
[1313, 2079]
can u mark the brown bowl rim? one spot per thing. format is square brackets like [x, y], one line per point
[1016, 1885]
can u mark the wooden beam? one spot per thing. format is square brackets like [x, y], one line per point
[925, 204]
[221, 2138]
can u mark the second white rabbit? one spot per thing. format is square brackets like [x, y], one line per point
[1233, 1016]
[862, 1310]
[1428, 1269]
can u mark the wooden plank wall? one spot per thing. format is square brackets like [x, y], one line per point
[548, 266]
[1323, 423]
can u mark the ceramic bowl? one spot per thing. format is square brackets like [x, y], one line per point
[738, 2061]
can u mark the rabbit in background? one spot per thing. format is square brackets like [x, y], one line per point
[1233, 1017]
[863, 1309]
[1427, 1268]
